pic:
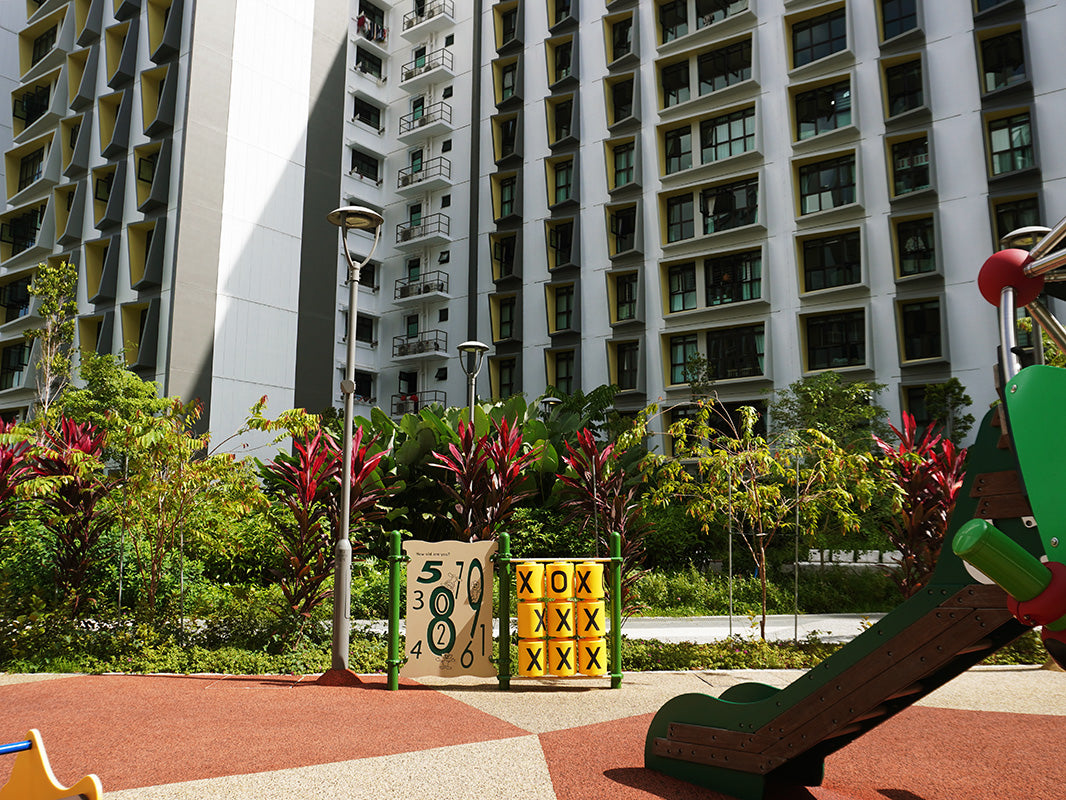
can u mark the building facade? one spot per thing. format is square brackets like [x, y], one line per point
[598, 190]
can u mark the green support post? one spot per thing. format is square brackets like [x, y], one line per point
[396, 558]
[503, 564]
[616, 610]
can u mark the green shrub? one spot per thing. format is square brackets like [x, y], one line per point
[540, 533]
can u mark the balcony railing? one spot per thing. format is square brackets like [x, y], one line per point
[430, 61]
[425, 342]
[436, 281]
[435, 167]
[431, 9]
[427, 226]
[412, 403]
[436, 112]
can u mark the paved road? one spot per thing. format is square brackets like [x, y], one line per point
[827, 627]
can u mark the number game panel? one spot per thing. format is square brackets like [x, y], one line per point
[449, 609]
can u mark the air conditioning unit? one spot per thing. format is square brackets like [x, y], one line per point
[423, 121]
[405, 179]
[403, 349]
[406, 233]
[421, 347]
[407, 290]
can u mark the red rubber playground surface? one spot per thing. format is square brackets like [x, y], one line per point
[994, 733]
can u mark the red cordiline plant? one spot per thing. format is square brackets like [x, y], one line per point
[72, 488]
[486, 476]
[594, 492]
[15, 469]
[928, 472]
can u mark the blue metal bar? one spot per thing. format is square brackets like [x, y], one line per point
[15, 747]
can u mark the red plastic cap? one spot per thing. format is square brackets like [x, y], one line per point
[1006, 268]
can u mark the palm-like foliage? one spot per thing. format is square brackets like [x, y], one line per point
[594, 492]
[928, 471]
[487, 474]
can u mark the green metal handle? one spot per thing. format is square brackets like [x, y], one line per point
[396, 559]
[503, 569]
[616, 610]
[1010, 565]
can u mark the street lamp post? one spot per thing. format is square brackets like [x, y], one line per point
[348, 218]
[475, 354]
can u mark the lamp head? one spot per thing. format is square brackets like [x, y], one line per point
[356, 217]
[473, 347]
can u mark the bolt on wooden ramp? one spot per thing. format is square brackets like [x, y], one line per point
[755, 737]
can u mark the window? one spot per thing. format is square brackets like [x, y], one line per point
[508, 133]
[1010, 141]
[920, 323]
[13, 362]
[836, 340]
[682, 285]
[563, 60]
[15, 299]
[625, 297]
[673, 20]
[624, 170]
[411, 326]
[827, 184]
[728, 135]
[508, 26]
[679, 218]
[915, 246]
[725, 66]
[627, 360]
[898, 16]
[624, 229]
[364, 328]
[682, 348]
[373, 14]
[418, 107]
[414, 269]
[43, 44]
[731, 205]
[736, 352]
[563, 114]
[1013, 214]
[819, 37]
[30, 168]
[708, 12]
[677, 144]
[904, 88]
[508, 187]
[621, 38]
[622, 100]
[367, 62]
[1002, 61]
[825, 108]
[447, 92]
[507, 317]
[563, 310]
[675, 84]
[449, 40]
[910, 166]
[830, 261]
[366, 165]
[914, 402]
[506, 376]
[503, 252]
[508, 80]
[446, 146]
[367, 113]
[563, 363]
[562, 11]
[561, 242]
[564, 181]
[733, 278]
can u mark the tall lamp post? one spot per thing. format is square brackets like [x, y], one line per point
[475, 355]
[348, 218]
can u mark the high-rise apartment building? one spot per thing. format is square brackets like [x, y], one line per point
[596, 189]
[183, 154]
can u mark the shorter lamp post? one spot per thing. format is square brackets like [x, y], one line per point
[475, 355]
[364, 219]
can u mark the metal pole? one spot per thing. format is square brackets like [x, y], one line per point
[616, 610]
[796, 558]
[730, 475]
[395, 560]
[503, 563]
[471, 393]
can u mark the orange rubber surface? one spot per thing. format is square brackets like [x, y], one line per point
[141, 731]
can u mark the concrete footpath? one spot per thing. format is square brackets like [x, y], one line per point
[993, 732]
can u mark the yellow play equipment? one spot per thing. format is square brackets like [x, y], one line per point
[32, 778]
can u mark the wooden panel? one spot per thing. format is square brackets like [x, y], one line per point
[716, 756]
[1003, 507]
[997, 483]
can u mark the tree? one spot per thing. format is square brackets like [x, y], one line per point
[845, 412]
[927, 473]
[728, 477]
[946, 403]
[55, 284]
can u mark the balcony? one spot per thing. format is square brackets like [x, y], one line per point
[413, 403]
[429, 285]
[430, 229]
[435, 15]
[432, 120]
[436, 173]
[427, 69]
[427, 344]
[372, 35]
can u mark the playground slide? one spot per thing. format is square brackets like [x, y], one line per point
[755, 736]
